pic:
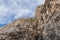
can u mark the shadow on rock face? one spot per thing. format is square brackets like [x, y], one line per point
[23, 36]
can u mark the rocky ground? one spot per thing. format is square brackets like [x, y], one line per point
[44, 26]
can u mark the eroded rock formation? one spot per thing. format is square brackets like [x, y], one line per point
[45, 26]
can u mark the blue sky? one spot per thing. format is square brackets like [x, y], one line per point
[13, 9]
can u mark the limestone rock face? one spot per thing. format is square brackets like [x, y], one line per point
[52, 28]
[44, 26]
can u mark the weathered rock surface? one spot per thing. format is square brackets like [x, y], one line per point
[45, 26]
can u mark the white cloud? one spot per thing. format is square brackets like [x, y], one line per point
[19, 8]
[14, 2]
[22, 12]
[3, 11]
[40, 2]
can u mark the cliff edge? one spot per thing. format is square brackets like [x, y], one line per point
[44, 26]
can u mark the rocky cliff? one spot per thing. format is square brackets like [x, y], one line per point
[44, 26]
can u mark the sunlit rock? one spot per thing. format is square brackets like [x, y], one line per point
[44, 26]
